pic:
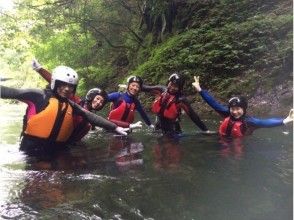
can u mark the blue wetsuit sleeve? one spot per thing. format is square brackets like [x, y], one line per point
[114, 96]
[219, 108]
[264, 123]
[142, 113]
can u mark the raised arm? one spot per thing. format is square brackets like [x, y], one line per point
[39, 69]
[123, 124]
[219, 108]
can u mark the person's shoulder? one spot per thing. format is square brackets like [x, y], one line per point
[76, 99]
[115, 94]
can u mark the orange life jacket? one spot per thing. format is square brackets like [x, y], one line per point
[124, 112]
[54, 123]
[231, 128]
[166, 106]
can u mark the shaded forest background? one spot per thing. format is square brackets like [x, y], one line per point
[243, 46]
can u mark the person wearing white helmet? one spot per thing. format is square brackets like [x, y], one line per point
[49, 121]
[63, 75]
[94, 101]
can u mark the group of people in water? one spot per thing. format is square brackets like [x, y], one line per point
[56, 116]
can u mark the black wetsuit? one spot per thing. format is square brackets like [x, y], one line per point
[171, 126]
[39, 99]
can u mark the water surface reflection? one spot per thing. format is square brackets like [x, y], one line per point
[146, 176]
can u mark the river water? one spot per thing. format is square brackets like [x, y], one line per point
[146, 176]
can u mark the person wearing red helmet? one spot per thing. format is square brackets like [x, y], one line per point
[236, 122]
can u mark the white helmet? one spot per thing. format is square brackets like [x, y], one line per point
[64, 74]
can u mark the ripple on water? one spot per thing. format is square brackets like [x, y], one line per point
[18, 211]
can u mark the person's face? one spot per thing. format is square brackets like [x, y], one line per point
[134, 88]
[172, 88]
[97, 102]
[65, 90]
[236, 112]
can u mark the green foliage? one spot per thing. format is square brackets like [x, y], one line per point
[230, 44]
[68, 47]
[91, 77]
[259, 43]
[15, 54]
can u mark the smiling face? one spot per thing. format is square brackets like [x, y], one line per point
[134, 88]
[236, 112]
[65, 90]
[98, 102]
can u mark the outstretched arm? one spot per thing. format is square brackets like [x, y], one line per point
[192, 114]
[270, 122]
[20, 94]
[264, 123]
[120, 123]
[97, 120]
[142, 113]
[154, 90]
[219, 108]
